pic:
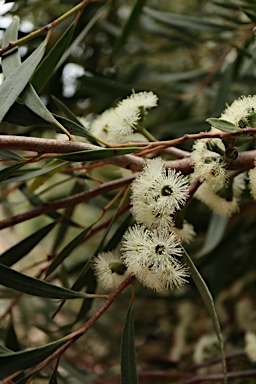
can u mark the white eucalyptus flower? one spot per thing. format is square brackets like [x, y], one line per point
[241, 111]
[186, 233]
[157, 193]
[149, 248]
[252, 181]
[109, 269]
[250, 346]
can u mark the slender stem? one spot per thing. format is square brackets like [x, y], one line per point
[46, 28]
[70, 201]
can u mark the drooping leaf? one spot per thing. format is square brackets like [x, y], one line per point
[35, 287]
[214, 234]
[209, 303]
[128, 353]
[7, 154]
[14, 84]
[21, 249]
[11, 362]
[8, 171]
[185, 22]
[53, 378]
[67, 250]
[10, 62]
[38, 172]
[11, 339]
[35, 200]
[49, 64]
[19, 114]
[76, 129]
[98, 154]
[40, 180]
[129, 25]
[223, 125]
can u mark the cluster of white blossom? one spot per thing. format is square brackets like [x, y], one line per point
[151, 248]
[122, 123]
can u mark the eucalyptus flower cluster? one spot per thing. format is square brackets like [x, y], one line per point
[151, 249]
[125, 121]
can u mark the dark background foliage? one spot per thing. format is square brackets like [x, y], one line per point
[197, 56]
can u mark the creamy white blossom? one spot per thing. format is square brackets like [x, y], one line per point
[149, 248]
[173, 276]
[186, 233]
[209, 163]
[218, 204]
[241, 111]
[157, 193]
[250, 346]
[128, 113]
[252, 181]
[109, 269]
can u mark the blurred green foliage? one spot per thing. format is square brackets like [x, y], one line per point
[197, 56]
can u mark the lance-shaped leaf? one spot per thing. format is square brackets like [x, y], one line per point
[223, 125]
[98, 154]
[128, 353]
[67, 250]
[214, 235]
[76, 129]
[209, 303]
[11, 362]
[49, 64]
[32, 286]
[129, 26]
[38, 172]
[10, 62]
[15, 83]
[18, 251]
[8, 171]
[7, 154]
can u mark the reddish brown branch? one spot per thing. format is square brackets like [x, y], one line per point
[70, 201]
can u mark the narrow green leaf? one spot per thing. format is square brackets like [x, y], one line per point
[7, 154]
[49, 64]
[12, 61]
[185, 22]
[53, 378]
[11, 362]
[35, 287]
[40, 180]
[214, 234]
[209, 303]
[251, 15]
[98, 154]
[35, 201]
[65, 110]
[8, 171]
[128, 353]
[76, 129]
[66, 251]
[21, 249]
[82, 34]
[11, 339]
[19, 114]
[39, 172]
[14, 84]
[129, 25]
[223, 125]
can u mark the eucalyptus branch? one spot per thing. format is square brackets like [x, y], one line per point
[46, 28]
[72, 337]
[70, 201]
[44, 146]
